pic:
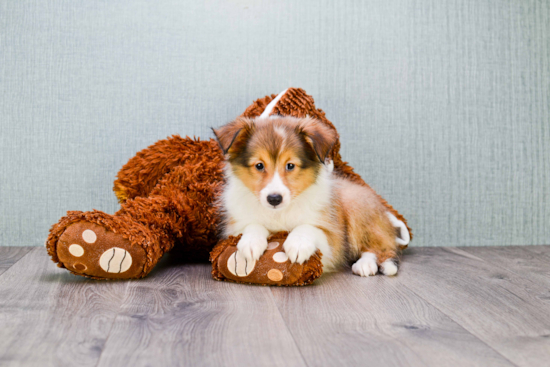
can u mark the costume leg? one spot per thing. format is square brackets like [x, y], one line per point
[141, 174]
[129, 243]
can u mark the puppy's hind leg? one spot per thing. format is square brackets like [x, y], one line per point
[378, 248]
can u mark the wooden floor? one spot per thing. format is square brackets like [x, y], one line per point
[447, 307]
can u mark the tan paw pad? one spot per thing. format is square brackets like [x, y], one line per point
[272, 245]
[92, 250]
[80, 267]
[280, 257]
[275, 275]
[76, 250]
[239, 266]
[89, 236]
[115, 260]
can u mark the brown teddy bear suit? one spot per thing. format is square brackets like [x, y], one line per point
[167, 194]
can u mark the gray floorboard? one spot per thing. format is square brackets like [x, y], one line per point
[508, 312]
[346, 320]
[11, 255]
[49, 317]
[182, 317]
[522, 262]
[541, 250]
[447, 307]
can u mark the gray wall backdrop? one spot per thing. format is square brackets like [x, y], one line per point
[443, 106]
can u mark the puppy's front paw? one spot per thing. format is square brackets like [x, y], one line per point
[366, 265]
[299, 247]
[251, 246]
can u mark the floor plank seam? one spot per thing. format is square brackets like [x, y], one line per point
[481, 307]
[462, 326]
[113, 323]
[21, 258]
[287, 328]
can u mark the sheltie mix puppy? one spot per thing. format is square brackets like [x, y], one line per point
[278, 178]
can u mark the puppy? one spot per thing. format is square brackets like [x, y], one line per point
[278, 178]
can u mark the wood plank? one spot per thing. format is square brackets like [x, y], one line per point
[50, 317]
[182, 317]
[518, 260]
[540, 249]
[509, 313]
[473, 304]
[9, 255]
[346, 320]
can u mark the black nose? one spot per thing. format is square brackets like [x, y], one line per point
[274, 199]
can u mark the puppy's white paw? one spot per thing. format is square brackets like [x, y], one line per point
[366, 265]
[388, 267]
[251, 246]
[299, 247]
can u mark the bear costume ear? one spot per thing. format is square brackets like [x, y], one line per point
[321, 137]
[227, 134]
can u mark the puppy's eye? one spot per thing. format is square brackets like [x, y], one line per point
[290, 166]
[259, 166]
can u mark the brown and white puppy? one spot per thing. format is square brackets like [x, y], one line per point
[278, 178]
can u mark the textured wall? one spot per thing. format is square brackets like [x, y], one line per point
[443, 106]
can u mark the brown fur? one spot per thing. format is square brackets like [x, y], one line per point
[355, 220]
[177, 209]
[297, 103]
[367, 227]
[167, 191]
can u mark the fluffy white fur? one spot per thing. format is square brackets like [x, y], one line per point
[405, 235]
[303, 241]
[366, 265]
[388, 267]
[299, 216]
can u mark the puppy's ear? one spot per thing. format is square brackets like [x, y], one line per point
[228, 134]
[321, 137]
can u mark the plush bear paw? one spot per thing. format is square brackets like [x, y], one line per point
[272, 268]
[94, 251]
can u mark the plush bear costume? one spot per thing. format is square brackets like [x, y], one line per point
[167, 194]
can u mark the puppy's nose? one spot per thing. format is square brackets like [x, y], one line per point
[274, 199]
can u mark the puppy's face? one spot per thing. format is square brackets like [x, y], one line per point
[276, 158]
